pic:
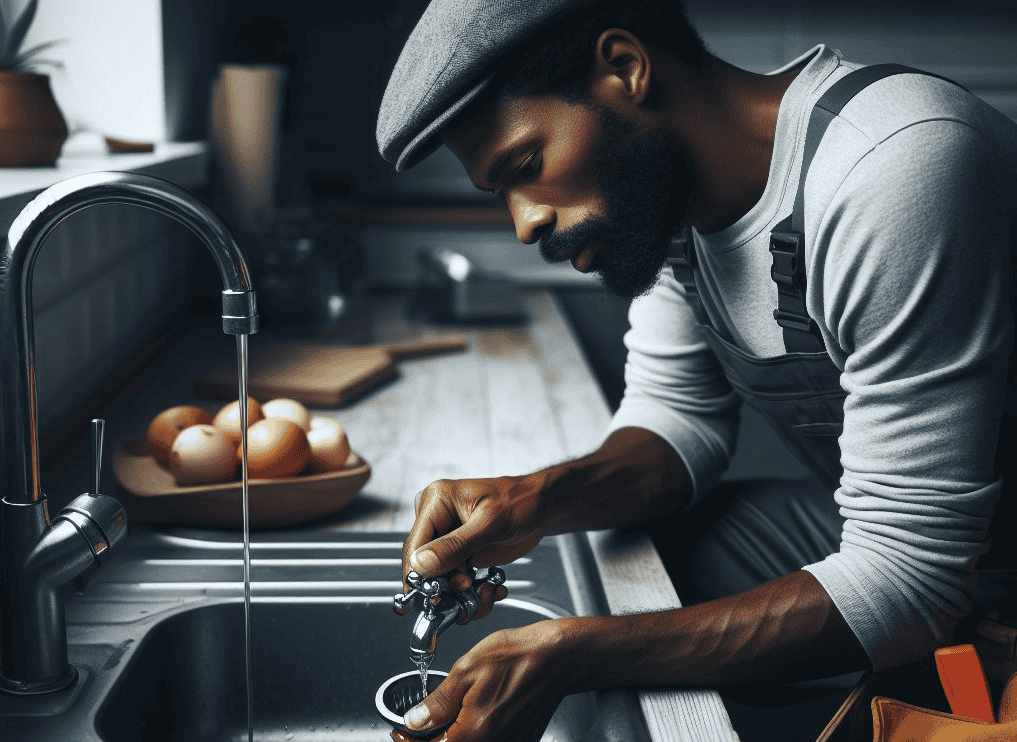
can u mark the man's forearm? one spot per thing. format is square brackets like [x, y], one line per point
[782, 630]
[634, 476]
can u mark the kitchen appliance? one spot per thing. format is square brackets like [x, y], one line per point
[454, 289]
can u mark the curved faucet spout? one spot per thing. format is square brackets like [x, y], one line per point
[25, 238]
[442, 608]
[431, 623]
[61, 200]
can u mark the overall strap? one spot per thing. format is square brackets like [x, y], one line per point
[787, 239]
[681, 258]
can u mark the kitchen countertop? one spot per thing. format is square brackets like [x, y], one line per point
[517, 399]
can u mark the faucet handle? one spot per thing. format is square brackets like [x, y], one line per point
[495, 576]
[418, 586]
[98, 440]
[435, 589]
[469, 600]
[402, 601]
[101, 519]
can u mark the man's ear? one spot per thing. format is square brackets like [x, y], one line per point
[621, 67]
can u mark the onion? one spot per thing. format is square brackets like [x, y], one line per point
[202, 454]
[166, 426]
[330, 447]
[288, 409]
[228, 418]
[276, 447]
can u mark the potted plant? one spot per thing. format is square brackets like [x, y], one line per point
[32, 130]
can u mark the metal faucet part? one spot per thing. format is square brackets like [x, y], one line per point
[441, 609]
[40, 556]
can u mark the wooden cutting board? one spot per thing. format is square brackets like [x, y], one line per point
[317, 374]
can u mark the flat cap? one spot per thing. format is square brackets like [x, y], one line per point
[448, 60]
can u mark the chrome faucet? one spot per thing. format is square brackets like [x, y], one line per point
[39, 555]
[441, 609]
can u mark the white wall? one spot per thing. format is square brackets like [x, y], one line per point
[112, 80]
[133, 69]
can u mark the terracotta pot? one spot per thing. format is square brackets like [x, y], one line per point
[32, 130]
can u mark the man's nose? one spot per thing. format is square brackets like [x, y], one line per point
[531, 219]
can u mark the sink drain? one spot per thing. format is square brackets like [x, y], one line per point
[400, 693]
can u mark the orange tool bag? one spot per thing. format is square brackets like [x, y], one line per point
[965, 693]
[971, 716]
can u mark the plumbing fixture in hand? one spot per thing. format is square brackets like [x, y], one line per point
[441, 609]
[39, 555]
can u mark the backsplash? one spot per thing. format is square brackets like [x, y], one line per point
[106, 279]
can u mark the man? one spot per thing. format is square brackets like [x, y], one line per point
[619, 143]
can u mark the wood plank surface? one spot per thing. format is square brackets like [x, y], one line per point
[518, 398]
[635, 580]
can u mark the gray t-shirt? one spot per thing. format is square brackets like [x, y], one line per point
[908, 207]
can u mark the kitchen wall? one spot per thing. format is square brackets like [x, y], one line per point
[133, 69]
[972, 43]
[111, 55]
[105, 281]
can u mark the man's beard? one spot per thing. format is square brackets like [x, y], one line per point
[646, 182]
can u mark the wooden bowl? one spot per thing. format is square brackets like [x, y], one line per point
[153, 496]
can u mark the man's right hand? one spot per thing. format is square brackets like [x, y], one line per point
[633, 477]
[467, 523]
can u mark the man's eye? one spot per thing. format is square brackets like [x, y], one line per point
[531, 165]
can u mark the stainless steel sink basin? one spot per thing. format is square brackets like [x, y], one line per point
[315, 670]
[158, 641]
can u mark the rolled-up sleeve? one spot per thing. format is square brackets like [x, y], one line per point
[674, 385]
[910, 287]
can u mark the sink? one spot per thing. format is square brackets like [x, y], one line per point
[315, 670]
[158, 640]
